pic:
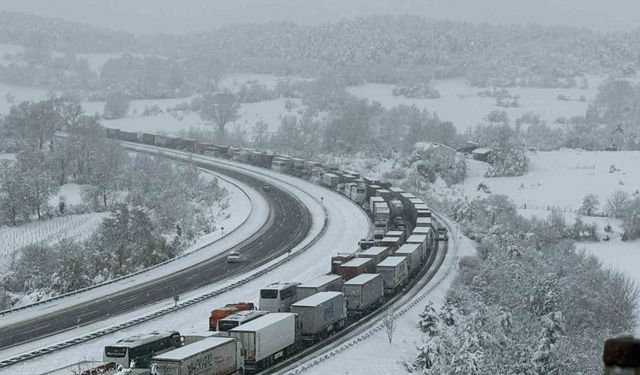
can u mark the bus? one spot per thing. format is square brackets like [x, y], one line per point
[278, 297]
[141, 348]
[239, 318]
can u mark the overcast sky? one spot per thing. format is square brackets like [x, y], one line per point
[180, 16]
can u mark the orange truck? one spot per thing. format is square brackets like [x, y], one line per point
[229, 309]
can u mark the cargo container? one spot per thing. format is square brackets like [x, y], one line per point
[388, 241]
[339, 259]
[415, 201]
[149, 139]
[238, 319]
[423, 213]
[323, 283]
[380, 227]
[363, 293]
[413, 253]
[396, 207]
[224, 312]
[396, 192]
[113, 133]
[371, 180]
[396, 233]
[278, 297]
[355, 267]
[210, 356]
[372, 189]
[420, 239]
[128, 136]
[381, 212]
[394, 272]
[320, 315]
[377, 253]
[423, 222]
[330, 180]
[372, 203]
[267, 339]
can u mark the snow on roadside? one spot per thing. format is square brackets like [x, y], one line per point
[368, 358]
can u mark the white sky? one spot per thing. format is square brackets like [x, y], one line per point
[179, 16]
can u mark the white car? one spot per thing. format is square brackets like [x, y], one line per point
[234, 257]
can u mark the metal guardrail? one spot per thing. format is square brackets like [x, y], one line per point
[137, 273]
[82, 339]
[367, 333]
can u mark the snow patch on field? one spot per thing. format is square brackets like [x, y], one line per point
[562, 178]
[460, 104]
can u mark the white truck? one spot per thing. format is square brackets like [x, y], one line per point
[394, 272]
[358, 193]
[210, 356]
[322, 283]
[372, 203]
[411, 251]
[267, 339]
[363, 293]
[320, 314]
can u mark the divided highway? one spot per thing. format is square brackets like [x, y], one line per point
[288, 224]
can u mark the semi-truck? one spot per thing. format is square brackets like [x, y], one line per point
[394, 272]
[323, 283]
[355, 266]
[412, 252]
[320, 315]
[267, 339]
[363, 293]
[210, 356]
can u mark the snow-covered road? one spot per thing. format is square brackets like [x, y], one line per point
[345, 225]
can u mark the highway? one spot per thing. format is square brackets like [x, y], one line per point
[288, 224]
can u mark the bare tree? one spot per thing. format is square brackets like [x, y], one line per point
[221, 109]
[389, 323]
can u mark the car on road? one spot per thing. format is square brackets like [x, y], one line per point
[266, 188]
[234, 257]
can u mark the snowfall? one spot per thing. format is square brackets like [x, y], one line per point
[556, 179]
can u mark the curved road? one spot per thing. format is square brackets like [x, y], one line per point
[288, 224]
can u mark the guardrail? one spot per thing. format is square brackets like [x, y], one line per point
[137, 273]
[367, 333]
[168, 310]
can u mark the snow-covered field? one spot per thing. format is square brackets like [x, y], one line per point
[460, 104]
[562, 178]
[74, 226]
[346, 225]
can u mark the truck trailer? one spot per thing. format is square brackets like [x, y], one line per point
[320, 315]
[355, 266]
[411, 251]
[267, 339]
[323, 283]
[394, 272]
[377, 253]
[210, 356]
[363, 293]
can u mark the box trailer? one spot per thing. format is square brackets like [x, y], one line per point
[396, 233]
[323, 283]
[381, 211]
[267, 339]
[210, 356]
[423, 222]
[420, 239]
[372, 203]
[413, 253]
[394, 273]
[355, 267]
[330, 180]
[377, 253]
[388, 241]
[363, 293]
[320, 314]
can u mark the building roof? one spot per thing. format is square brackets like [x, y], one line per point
[316, 299]
[194, 348]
